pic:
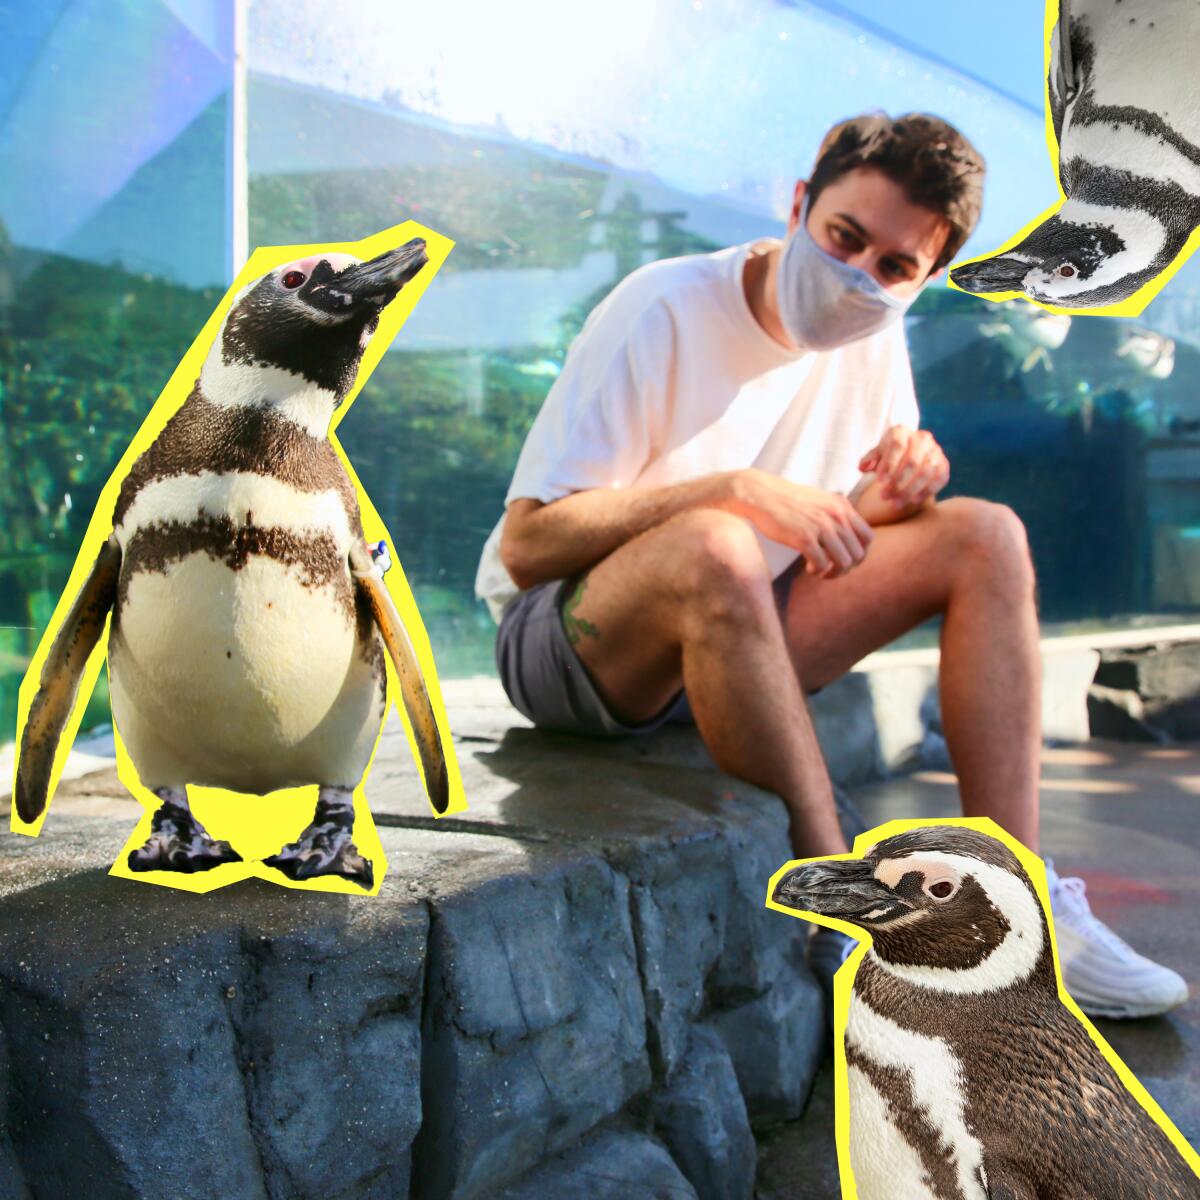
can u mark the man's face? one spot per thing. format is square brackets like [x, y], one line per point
[865, 219]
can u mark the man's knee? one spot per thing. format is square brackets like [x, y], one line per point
[718, 559]
[987, 541]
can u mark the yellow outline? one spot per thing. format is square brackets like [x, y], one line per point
[278, 817]
[1132, 306]
[843, 981]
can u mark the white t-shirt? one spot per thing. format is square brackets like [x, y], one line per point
[672, 377]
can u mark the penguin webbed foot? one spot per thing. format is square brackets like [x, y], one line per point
[325, 848]
[178, 842]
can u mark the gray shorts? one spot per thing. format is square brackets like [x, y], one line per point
[545, 679]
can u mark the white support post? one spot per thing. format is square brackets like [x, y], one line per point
[238, 217]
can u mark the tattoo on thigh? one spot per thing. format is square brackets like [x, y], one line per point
[577, 627]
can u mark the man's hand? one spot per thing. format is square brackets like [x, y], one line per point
[823, 526]
[909, 465]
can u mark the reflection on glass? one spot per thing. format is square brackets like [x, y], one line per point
[560, 157]
[590, 154]
[113, 226]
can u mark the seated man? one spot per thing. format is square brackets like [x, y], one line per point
[687, 529]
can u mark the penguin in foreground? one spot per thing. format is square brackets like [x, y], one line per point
[968, 1078]
[1125, 103]
[249, 616]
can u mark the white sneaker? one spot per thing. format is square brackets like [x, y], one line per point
[1105, 976]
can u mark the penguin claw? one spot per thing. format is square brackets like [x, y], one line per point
[347, 863]
[178, 842]
[324, 848]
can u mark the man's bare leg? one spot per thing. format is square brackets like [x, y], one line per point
[689, 603]
[969, 560]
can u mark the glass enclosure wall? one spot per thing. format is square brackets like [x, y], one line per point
[561, 147]
[114, 249]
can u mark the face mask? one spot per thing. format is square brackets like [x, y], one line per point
[825, 303]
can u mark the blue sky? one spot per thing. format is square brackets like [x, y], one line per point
[997, 42]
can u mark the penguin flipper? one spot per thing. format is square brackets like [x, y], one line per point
[1060, 80]
[368, 579]
[58, 687]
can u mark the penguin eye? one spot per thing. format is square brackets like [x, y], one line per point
[293, 279]
[943, 889]
[1066, 271]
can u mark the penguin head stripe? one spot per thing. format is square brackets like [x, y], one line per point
[294, 338]
[946, 907]
[1090, 248]
[991, 928]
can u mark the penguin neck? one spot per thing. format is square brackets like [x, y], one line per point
[1016, 947]
[1032, 970]
[1146, 240]
[242, 385]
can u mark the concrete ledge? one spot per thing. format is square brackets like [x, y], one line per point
[579, 973]
[575, 979]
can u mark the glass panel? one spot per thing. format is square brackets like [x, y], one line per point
[113, 252]
[1086, 426]
[561, 149]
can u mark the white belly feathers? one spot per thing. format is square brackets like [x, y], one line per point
[886, 1162]
[235, 655]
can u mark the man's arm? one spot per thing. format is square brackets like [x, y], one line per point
[909, 470]
[554, 541]
[877, 511]
[558, 540]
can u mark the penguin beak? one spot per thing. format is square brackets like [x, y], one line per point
[847, 889]
[1003, 274]
[369, 285]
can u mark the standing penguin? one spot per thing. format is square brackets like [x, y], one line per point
[968, 1078]
[249, 617]
[1125, 103]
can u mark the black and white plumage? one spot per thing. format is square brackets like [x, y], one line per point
[968, 1078]
[249, 617]
[1124, 98]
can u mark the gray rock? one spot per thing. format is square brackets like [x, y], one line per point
[776, 1043]
[701, 1116]
[12, 1180]
[534, 1029]
[610, 1165]
[844, 717]
[326, 1021]
[122, 1053]
[760, 996]
[585, 937]
[697, 849]
[249, 1043]
[680, 908]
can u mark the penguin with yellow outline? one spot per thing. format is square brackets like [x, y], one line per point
[969, 1077]
[1124, 106]
[249, 616]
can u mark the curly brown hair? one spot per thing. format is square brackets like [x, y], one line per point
[936, 166]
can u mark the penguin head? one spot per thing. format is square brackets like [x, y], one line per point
[311, 320]
[1064, 262]
[937, 902]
